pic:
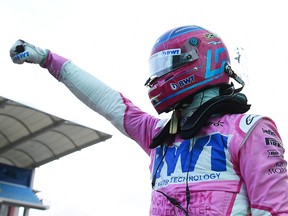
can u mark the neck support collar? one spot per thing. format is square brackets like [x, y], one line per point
[223, 104]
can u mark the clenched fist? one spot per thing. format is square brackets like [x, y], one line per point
[22, 52]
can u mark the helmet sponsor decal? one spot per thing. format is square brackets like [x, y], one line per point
[209, 36]
[187, 81]
[166, 53]
[214, 42]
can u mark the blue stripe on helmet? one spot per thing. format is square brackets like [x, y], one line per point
[176, 32]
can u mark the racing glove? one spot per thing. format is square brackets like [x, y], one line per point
[22, 52]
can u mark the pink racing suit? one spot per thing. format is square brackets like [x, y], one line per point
[234, 166]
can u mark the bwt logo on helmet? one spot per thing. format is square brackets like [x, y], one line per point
[183, 82]
[171, 52]
[164, 53]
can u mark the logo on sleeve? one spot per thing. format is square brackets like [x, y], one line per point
[273, 142]
[268, 131]
[279, 168]
[274, 153]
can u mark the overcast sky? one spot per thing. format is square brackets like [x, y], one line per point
[112, 40]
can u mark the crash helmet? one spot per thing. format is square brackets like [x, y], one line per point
[184, 61]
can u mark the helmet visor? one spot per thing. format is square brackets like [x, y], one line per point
[166, 61]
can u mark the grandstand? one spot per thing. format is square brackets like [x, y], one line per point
[30, 138]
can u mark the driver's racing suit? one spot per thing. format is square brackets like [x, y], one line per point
[234, 166]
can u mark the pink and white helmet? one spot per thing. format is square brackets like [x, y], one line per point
[184, 61]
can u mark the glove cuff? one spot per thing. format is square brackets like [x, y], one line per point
[54, 64]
